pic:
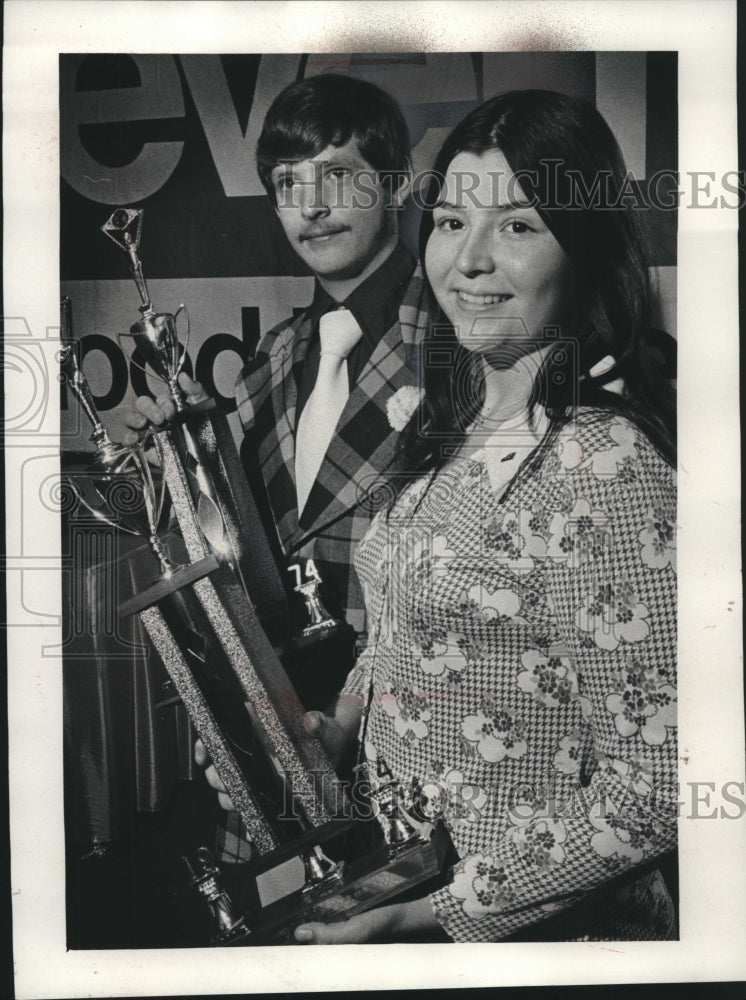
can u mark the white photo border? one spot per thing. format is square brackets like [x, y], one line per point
[712, 852]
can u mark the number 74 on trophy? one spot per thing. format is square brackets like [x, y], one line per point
[310, 572]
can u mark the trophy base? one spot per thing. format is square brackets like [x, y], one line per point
[233, 938]
[315, 633]
[353, 887]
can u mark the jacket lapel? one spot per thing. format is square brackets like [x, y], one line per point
[278, 419]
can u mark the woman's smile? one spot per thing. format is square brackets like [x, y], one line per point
[479, 300]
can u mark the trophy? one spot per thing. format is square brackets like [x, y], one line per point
[225, 511]
[203, 445]
[321, 624]
[206, 628]
[118, 487]
[155, 334]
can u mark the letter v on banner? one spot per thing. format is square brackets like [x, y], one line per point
[232, 150]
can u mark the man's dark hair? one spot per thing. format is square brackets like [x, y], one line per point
[328, 110]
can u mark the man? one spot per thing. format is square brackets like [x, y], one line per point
[333, 156]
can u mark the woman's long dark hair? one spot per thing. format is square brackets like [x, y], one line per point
[569, 163]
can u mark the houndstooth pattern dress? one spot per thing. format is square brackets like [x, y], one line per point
[520, 676]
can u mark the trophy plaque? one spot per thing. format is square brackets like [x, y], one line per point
[204, 622]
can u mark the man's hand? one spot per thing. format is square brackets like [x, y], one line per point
[202, 760]
[329, 731]
[334, 731]
[160, 411]
[337, 728]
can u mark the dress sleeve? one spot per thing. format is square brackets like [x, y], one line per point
[608, 806]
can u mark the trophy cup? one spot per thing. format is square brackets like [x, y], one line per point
[206, 629]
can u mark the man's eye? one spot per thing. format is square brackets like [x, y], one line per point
[284, 183]
[338, 173]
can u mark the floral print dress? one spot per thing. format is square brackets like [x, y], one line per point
[520, 676]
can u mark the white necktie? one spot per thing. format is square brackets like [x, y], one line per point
[338, 332]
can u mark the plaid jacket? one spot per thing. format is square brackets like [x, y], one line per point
[338, 512]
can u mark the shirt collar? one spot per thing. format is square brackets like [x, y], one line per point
[509, 446]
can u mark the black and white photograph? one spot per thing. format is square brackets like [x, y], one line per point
[372, 511]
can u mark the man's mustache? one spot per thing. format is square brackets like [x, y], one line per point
[315, 233]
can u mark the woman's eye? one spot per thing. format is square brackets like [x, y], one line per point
[449, 225]
[517, 226]
[284, 183]
[338, 172]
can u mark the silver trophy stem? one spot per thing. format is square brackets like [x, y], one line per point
[230, 927]
[108, 452]
[168, 566]
[177, 396]
[137, 273]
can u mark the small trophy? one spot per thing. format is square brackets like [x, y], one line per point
[321, 624]
[320, 649]
[231, 927]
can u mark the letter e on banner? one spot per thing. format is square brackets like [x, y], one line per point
[158, 96]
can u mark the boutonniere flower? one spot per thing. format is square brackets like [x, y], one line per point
[401, 406]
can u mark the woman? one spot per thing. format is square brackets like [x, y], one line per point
[519, 681]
